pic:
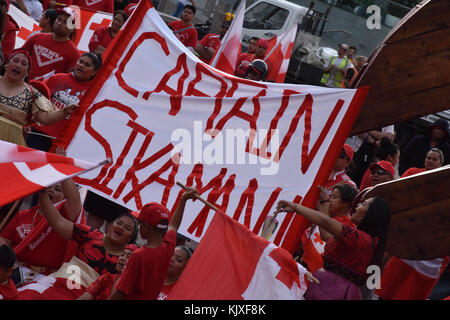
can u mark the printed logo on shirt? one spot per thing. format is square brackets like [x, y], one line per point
[23, 230]
[66, 97]
[46, 56]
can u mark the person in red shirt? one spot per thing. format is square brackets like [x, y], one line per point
[180, 258]
[52, 53]
[8, 290]
[244, 59]
[147, 268]
[338, 174]
[433, 160]
[10, 28]
[45, 249]
[65, 89]
[99, 5]
[103, 36]
[209, 44]
[351, 250]
[101, 288]
[184, 30]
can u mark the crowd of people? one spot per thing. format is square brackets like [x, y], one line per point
[36, 101]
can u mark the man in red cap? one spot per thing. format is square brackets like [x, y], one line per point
[54, 52]
[381, 171]
[338, 174]
[144, 274]
[244, 59]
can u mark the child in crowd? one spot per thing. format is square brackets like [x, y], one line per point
[101, 288]
[146, 270]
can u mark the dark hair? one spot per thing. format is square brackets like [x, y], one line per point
[7, 257]
[254, 38]
[376, 223]
[188, 250]
[122, 13]
[190, 6]
[136, 226]
[348, 192]
[353, 47]
[386, 148]
[96, 59]
[52, 14]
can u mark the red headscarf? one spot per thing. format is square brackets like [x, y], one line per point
[17, 51]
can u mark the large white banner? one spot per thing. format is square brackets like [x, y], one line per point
[163, 116]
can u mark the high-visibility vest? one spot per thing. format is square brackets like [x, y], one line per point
[338, 78]
[355, 74]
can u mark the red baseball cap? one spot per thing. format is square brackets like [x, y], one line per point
[262, 43]
[155, 214]
[385, 165]
[348, 151]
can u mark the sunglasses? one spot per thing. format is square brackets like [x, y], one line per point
[380, 172]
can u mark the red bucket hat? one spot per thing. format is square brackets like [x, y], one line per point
[155, 214]
[262, 43]
[348, 151]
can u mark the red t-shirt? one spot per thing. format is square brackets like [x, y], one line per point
[101, 288]
[8, 291]
[188, 36]
[91, 249]
[96, 5]
[101, 37]
[212, 41]
[49, 57]
[165, 291]
[354, 249]
[242, 63]
[47, 250]
[144, 274]
[65, 90]
[339, 177]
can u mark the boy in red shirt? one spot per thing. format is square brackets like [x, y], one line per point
[147, 268]
[52, 53]
[8, 289]
[184, 30]
[208, 46]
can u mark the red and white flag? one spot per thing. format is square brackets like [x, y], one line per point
[26, 171]
[313, 247]
[279, 54]
[226, 57]
[232, 263]
[410, 279]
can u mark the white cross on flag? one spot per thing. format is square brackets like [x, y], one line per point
[25, 171]
[232, 263]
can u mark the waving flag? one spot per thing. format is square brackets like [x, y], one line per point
[225, 58]
[313, 247]
[410, 279]
[232, 263]
[26, 171]
[279, 54]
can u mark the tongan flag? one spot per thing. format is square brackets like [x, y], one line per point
[25, 171]
[279, 54]
[226, 57]
[232, 263]
[410, 279]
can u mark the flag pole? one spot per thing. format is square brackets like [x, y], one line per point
[211, 206]
[10, 212]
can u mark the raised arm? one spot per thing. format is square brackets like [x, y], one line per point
[315, 217]
[60, 224]
[175, 222]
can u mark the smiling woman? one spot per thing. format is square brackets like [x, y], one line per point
[65, 89]
[20, 103]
